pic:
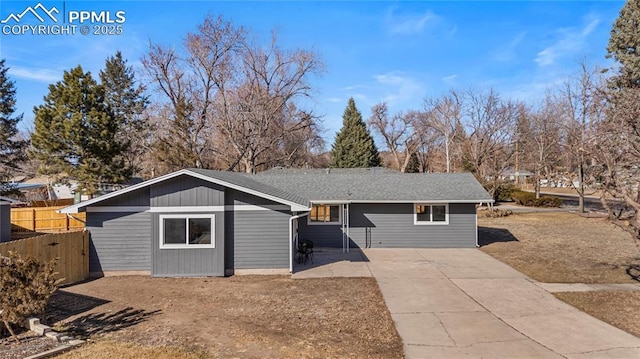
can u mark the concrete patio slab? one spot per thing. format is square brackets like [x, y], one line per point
[428, 296]
[463, 328]
[333, 262]
[467, 263]
[463, 303]
[582, 287]
[511, 296]
[422, 329]
[572, 332]
[404, 269]
[478, 307]
[521, 349]
[608, 353]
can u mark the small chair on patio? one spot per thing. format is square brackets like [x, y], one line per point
[305, 251]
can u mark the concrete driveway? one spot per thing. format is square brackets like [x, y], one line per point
[462, 303]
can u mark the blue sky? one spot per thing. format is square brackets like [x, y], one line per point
[399, 52]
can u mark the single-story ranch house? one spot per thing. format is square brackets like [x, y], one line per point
[197, 222]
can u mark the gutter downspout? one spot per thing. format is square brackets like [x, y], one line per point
[291, 238]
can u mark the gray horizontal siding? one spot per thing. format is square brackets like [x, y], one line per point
[186, 191]
[185, 262]
[256, 239]
[260, 239]
[119, 241]
[322, 235]
[392, 226]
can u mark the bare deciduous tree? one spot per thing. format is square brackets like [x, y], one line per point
[399, 133]
[490, 123]
[444, 115]
[582, 109]
[233, 100]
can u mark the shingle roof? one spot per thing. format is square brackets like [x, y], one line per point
[375, 185]
[250, 183]
[300, 187]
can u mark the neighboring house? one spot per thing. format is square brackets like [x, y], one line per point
[13, 202]
[198, 222]
[512, 175]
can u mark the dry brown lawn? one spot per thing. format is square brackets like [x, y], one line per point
[236, 317]
[618, 308]
[561, 247]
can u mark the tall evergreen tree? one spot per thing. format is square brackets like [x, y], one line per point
[624, 45]
[618, 137]
[12, 149]
[127, 102]
[354, 146]
[76, 133]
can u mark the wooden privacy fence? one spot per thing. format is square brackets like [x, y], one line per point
[44, 219]
[71, 249]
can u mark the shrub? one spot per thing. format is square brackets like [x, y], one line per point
[503, 192]
[524, 198]
[529, 199]
[548, 201]
[497, 213]
[26, 286]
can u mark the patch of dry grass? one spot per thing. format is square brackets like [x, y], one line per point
[107, 349]
[235, 317]
[618, 308]
[561, 247]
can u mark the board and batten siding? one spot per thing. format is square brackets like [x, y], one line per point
[392, 226]
[119, 241]
[186, 191]
[256, 239]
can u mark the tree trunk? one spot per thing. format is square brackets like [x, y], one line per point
[446, 149]
[13, 334]
[581, 190]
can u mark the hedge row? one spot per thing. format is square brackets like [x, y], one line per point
[529, 199]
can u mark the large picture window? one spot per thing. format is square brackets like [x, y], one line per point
[187, 231]
[431, 213]
[325, 214]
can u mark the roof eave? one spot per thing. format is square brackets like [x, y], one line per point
[78, 207]
[341, 201]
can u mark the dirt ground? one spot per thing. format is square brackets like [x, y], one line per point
[236, 317]
[561, 247]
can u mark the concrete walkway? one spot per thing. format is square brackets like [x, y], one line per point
[462, 303]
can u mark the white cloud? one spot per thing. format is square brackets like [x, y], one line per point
[411, 24]
[450, 78]
[399, 89]
[508, 52]
[569, 41]
[35, 74]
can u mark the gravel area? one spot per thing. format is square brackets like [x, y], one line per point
[30, 344]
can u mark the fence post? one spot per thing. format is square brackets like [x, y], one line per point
[33, 220]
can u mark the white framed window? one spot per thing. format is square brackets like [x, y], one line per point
[325, 214]
[430, 214]
[187, 231]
